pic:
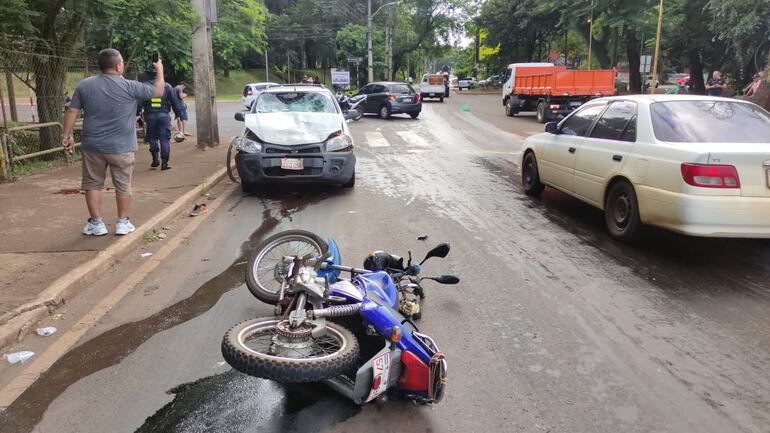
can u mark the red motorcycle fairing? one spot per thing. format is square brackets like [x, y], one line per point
[415, 373]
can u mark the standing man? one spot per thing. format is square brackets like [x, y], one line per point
[716, 84]
[182, 116]
[158, 119]
[109, 104]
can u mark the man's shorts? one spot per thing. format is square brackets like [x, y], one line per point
[183, 114]
[95, 166]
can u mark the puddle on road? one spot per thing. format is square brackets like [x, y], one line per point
[235, 402]
[101, 352]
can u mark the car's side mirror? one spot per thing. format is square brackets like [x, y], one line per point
[552, 128]
[239, 116]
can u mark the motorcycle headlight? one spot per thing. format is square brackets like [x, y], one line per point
[247, 145]
[339, 143]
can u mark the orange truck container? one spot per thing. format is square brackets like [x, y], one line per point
[551, 90]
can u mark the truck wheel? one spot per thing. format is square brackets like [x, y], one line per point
[509, 111]
[542, 113]
[440, 99]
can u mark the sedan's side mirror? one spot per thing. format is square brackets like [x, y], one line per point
[552, 128]
[239, 116]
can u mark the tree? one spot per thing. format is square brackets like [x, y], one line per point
[241, 28]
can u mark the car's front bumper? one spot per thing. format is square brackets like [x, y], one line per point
[711, 216]
[319, 166]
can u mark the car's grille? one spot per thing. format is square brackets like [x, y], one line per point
[314, 149]
[278, 171]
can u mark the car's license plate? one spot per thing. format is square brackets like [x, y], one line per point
[407, 100]
[380, 374]
[292, 164]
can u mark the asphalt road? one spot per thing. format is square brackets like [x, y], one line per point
[555, 327]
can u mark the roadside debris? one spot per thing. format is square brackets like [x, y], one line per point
[58, 316]
[46, 331]
[153, 235]
[68, 191]
[199, 209]
[422, 237]
[145, 255]
[466, 108]
[15, 357]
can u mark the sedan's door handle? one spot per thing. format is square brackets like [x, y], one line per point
[572, 150]
[617, 158]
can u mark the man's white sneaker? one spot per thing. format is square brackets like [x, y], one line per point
[124, 227]
[95, 228]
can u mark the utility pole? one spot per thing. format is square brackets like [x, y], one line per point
[657, 49]
[590, 33]
[389, 42]
[370, 70]
[267, 71]
[203, 69]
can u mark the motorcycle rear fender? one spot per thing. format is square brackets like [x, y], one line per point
[358, 390]
[335, 257]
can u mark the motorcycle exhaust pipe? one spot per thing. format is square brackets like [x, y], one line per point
[336, 311]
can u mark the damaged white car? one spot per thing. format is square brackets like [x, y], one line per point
[295, 134]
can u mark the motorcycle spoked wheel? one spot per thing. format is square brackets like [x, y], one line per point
[265, 271]
[260, 347]
[359, 116]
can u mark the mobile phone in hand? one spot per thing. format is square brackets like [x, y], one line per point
[155, 57]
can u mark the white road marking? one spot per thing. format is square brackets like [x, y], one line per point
[376, 139]
[412, 138]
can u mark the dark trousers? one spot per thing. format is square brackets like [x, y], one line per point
[159, 131]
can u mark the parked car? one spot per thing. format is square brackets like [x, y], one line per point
[295, 134]
[696, 165]
[465, 83]
[388, 98]
[251, 91]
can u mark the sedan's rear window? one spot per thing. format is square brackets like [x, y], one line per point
[400, 88]
[710, 122]
[297, 102]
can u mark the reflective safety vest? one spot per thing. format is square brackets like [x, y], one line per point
[159, 105]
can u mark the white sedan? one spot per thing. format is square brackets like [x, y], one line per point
[696, 165]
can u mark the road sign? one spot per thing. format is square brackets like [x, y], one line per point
[645, 63]
[340, 78]
[354, 60]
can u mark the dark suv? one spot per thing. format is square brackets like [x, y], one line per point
[387, 98]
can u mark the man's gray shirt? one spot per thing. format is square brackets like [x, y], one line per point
[109, 112]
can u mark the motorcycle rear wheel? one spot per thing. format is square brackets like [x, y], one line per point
[255, 348]
[265, 272]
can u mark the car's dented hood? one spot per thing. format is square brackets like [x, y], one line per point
[291, 128]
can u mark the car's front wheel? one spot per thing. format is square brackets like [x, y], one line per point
[385, 112]
[621, 211]
[530, 177]
[414, 115]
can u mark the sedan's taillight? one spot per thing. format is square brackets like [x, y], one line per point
[391, 96]
[417, 97]
[710, 175]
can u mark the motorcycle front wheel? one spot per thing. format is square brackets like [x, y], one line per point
[266, 347]
[265, 271]
[359, 116]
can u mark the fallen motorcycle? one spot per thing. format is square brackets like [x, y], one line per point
[346, 333]
[352, 103]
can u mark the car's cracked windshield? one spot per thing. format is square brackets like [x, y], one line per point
[295, 102]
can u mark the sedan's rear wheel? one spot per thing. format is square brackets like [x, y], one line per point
[385, 112]
[621, 212]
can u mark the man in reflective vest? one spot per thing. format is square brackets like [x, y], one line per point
[158, 120]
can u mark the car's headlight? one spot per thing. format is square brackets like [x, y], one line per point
[247, 145]
[339, 143]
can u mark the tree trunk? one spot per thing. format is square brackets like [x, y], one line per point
[11, 96]
[696, 72]
[49, 91]
[598, 48]
[633, 55]
[226, 72]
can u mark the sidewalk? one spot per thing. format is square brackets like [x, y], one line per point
[41, 223]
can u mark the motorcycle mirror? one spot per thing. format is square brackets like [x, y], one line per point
[447, 279]
[441, 250]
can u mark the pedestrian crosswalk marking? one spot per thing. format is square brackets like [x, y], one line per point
[412, 138]
[376, 139]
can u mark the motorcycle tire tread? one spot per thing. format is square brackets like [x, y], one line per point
[287, 371]
[251, 282]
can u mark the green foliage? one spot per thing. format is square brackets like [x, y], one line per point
[241, 29]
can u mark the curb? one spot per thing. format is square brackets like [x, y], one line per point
[15, 324]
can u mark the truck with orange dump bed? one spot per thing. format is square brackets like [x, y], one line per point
[551, 90]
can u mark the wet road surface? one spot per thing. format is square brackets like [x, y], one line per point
[555, 326]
